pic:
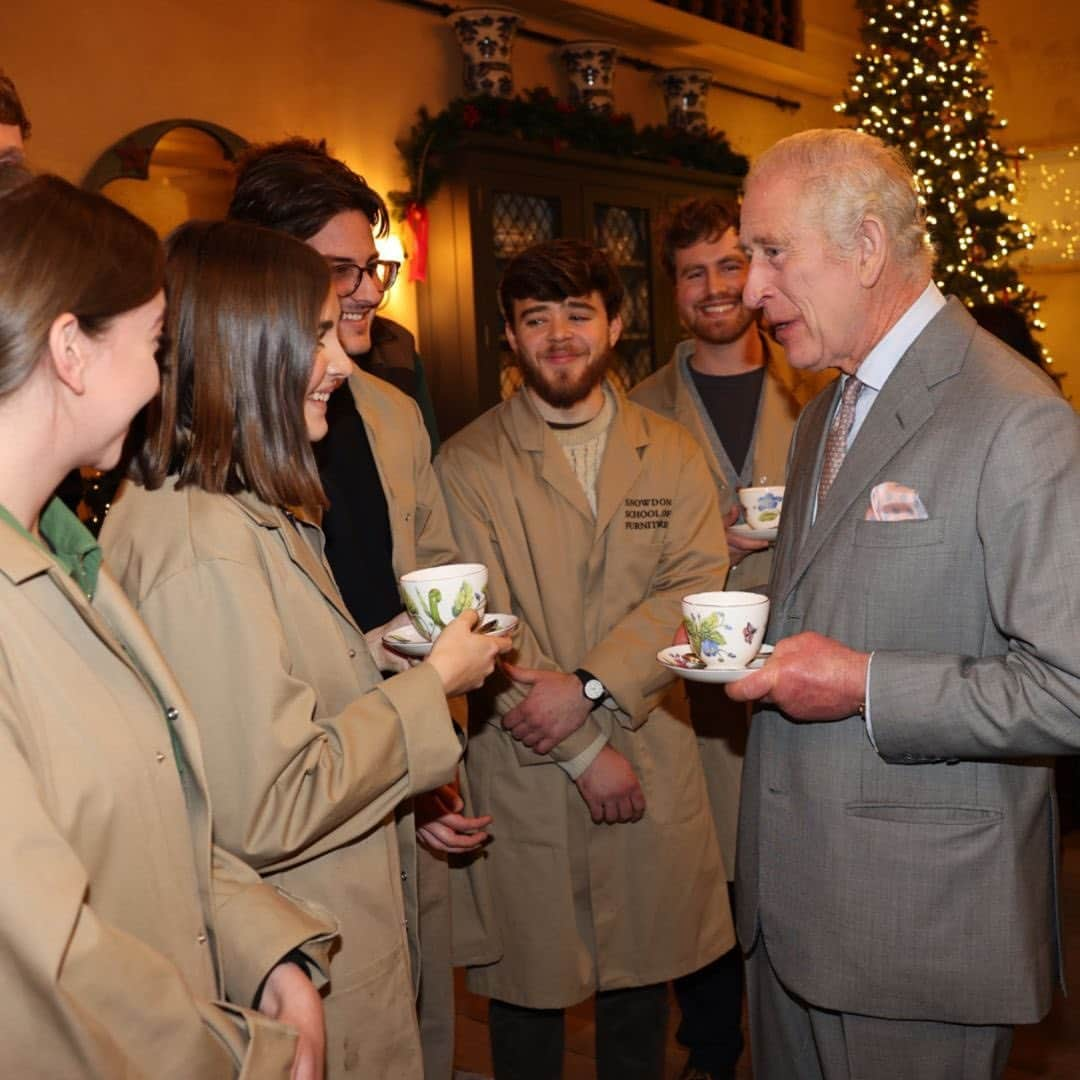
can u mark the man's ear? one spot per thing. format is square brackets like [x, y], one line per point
[872, 250]
[511, 337]
[615, 329]
[67, 352]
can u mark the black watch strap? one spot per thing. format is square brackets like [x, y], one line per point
[593, 689]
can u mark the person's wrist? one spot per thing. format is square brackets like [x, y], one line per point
[592, 689]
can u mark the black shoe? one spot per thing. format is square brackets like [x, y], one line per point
[692, 1072]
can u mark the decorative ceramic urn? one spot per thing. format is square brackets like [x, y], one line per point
[486, 37]
[591, 67]
[685, 91]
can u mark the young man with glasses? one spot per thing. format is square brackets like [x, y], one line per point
[386, 515]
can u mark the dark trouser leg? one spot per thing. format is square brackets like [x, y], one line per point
[526, 1044]
[711, 1004]
[631, 1029]
[710, 1001]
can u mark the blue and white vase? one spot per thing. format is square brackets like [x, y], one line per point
[685, 91]
[591, 68]
[486, 37]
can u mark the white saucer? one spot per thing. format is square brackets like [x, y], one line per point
[670, 657]
[742, 529]
[407, 641]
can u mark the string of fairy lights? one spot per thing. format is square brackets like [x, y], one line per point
[920, 84]
[1060, 231]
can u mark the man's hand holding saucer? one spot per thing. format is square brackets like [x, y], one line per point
[808, 677]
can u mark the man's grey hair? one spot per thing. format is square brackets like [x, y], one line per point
[849, 175]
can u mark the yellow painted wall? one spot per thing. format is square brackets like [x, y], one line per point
[355, 71]
[1034, 68]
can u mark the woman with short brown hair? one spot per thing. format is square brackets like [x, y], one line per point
[309, 751]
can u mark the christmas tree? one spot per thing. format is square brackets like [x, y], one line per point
[920, 84]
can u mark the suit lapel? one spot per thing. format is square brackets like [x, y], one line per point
[903, 406]
[801, 489]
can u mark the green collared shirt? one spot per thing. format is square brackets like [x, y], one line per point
[68, 541]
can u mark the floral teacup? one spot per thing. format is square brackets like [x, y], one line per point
[761, 506]
[435, 596]
[725, 628]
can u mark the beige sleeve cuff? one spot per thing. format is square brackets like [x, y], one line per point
[258, 926]
[432, 746]
[577, 765]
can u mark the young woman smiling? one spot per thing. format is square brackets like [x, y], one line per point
[309, 751]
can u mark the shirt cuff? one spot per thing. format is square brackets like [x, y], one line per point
[577, 765]
[866, 706]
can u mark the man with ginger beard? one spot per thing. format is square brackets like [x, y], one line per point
[592, 516]
[730, 386]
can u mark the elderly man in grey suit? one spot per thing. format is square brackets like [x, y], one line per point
[896, 878]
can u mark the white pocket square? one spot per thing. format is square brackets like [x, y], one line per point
[895, 502]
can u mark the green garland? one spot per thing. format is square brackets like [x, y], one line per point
[538, 116]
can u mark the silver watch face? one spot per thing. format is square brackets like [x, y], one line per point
[594, 689]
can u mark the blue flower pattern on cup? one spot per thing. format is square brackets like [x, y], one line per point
[707, 635]
[768, 506]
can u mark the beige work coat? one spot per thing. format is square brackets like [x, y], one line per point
[419, 528]
[582, 907]
[123, 927]
[670, 391]
[421, 536]
[308, 751]
[720, 723]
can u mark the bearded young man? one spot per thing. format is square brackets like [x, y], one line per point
[594, 517]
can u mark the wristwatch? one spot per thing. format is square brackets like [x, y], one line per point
[593, 689]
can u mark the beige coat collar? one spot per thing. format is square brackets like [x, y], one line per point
[301, 552]
[529, 433]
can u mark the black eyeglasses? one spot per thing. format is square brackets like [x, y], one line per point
[347, 276]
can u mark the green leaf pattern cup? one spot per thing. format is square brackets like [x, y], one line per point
[439, 594]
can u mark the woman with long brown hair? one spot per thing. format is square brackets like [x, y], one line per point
[123, 931]
[309, 751]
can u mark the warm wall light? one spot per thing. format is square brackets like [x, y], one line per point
[390, 247]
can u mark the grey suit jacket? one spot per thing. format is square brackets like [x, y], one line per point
[920, 882]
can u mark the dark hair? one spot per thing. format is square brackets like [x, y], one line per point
[295, 186]
[11, 108]
[557, 269]
[693, 222]
[241, 333]
[13, 170]
[1008, 325]
[64, 250]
